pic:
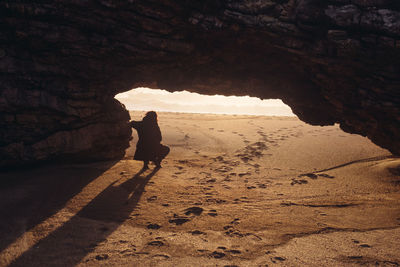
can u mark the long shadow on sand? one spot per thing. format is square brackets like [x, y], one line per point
[30, 196]
[92, 225]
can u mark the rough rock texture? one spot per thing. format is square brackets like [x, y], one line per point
[61, 63]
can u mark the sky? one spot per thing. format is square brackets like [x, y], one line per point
[160, 100]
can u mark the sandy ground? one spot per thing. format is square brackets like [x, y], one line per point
[234, 191]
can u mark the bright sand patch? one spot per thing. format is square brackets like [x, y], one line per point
[235, 190]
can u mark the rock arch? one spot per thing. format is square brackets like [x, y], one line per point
[62, 62]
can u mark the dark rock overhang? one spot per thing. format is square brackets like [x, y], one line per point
[62, 62]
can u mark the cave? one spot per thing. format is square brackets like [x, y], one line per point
[62, 63]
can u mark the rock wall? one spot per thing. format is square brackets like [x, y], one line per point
[62, 62]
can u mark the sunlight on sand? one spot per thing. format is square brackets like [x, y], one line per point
[235, 190]
[184, 101]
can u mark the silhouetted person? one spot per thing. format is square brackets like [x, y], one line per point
[149, 147]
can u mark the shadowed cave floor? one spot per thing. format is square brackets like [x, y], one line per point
[235, 190]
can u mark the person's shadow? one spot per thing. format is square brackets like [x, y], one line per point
[70, 243]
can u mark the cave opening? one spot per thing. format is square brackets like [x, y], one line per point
[143, 98]
[246, 130]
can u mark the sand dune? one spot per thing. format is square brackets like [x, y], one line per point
[234, 191]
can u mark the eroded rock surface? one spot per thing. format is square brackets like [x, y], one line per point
[62, 62]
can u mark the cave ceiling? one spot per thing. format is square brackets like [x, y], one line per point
[62, 62]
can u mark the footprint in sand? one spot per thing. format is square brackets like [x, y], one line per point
[227, 179]
[300, 182]
[219, 158]
[156, 243]
[212, 213]
[217, 255]
[197, 232]
[227, 227]
[194, 210]
[160, 257]
[153, 226]
[276, 259]
[235, 221]
[101, 257]
[234, 251]
[223, 169]
[179, 220]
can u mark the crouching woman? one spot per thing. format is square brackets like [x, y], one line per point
[149, 147]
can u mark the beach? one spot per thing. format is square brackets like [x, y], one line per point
[235, 190]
